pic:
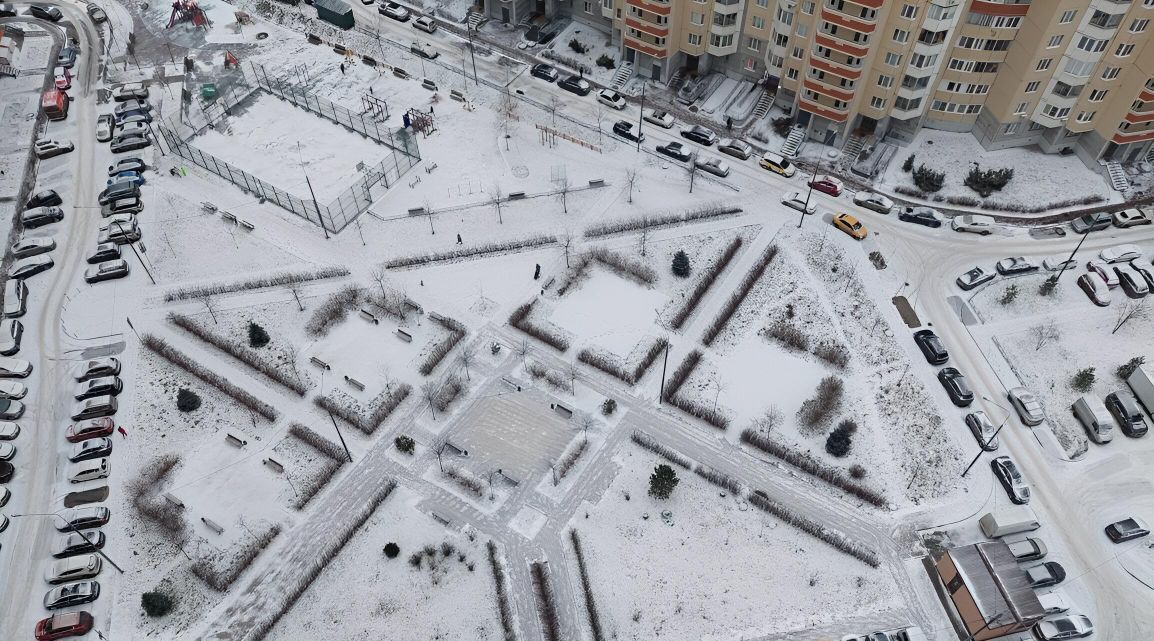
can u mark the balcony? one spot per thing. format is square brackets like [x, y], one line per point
[829, 66]
[825, 111]
[1141, 136]
[826, 89]
[839, 45]
[662, 8]
[842, 20]
[992, 8]
[647, 27]
[907, 113]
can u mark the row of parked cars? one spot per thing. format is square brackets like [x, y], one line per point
[1123, 267]
[128, 127]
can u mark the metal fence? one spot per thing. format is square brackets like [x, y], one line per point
[196, 116]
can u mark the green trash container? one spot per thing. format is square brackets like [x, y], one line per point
[208, 91]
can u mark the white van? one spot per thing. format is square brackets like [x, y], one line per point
[85, 566]
[15, 298]
[90, 470]
[1092, 414]
[1013, 520]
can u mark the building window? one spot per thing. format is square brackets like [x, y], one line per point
[1055, 41]
[1032, 86]
[1022, 109]
[757, 22]
[901, 35]
[1067, 16]
[694, 39]
[780, 40]
[1098, 95]
[697, 18]
[802, 30]
[807, 8]
[909, 11]
[877, 103]
[791, 74]
[1009, 129]
[751, 64]
[893, 59]
[885, 81]
[753, 44]
[1138, 26]
[1124, 50]
[798, 52]
[1092, 45]
[721, 41]
[921, 61]
[589, 7]
[940, 13]
[1110, 73]
[763, 3]
[1079, 68]
[1044, 64]
[784, 17]
[905, 104]
[1064, 90]
[1056, 113]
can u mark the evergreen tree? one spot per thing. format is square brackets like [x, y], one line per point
[257, 337]
[662, 482]
[680, 264]
[156, 604]
[187, 400]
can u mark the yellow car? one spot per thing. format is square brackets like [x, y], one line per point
[777, 164]
[851, 226]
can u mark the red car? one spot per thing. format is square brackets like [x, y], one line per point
[59, 626]
[92, 428]
[827, 184]
[63, 78]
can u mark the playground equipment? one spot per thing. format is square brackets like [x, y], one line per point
[188, 11]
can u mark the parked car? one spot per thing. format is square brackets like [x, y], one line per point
[983, 430]
[97, 14]
[72, 594]
[1132, 218]
[1146, 271]
[1016, 265]
[126, 177]
[1132, 282]
[734, 147]
[133, 91]
[134, 127]
[920, 215]
[660, 118]
[93, 470]
[1028, 549]
[1059, 262]
[544, 72]
[1045, 574]
[26, 247]
[627, 130]
[104, 126]
[14, 367]
[1063, 628]
[5, 495]
[62, 78]
[1127, 530]
[11, 410]
[576, 84]
[126, 205]
[9, 430]
[15, 298]
[41, 216]
[714, 166]
[424, 50]
[1121, 253]
[66, 57]
[1127, 414]
[795, 200]
[8, 10]
[29, 267]
[12, 389]
[91, 428]
[75, 543]
[827, 185]
[127, 164]
[46, 198]
[59, 626]
[973, 278]
[777, 164]
[611, 98]
[426, 24]
[45, 12]
[1008, 474]
[90, 449]
[94, 408]
[851, 226]
[118, 221]
[135, 116]
[700, 135]
[7, 451]
[11, 333]
[974, 224]
[73, 568]
[82, 518]
[98, 367]
[129, 143]
[1027, 405]
[675, 150]
[50, 148]
[119, 234]
[6, 471]
[956, 386]
[104, 252]
[1108, 276]
[873, 201]
[116, 191]
[394, 11]
[931, 346]
[104, 385]
[1095, 419]
[1091, 222]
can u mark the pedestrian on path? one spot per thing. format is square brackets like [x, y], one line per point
[122, 432]
[342, 68]
[458, 239]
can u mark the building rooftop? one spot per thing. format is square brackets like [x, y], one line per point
[997, 582]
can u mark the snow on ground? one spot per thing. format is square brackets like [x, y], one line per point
[518, 433]
[597, 43]
[1038, 178]
[442, 598]
[721, 568]
[609, 312]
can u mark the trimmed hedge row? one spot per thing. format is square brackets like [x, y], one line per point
[719, 478]
[590, 604]
[465, 480]
[273, 280]
[546, 601]
[622, 266]
[504, 609]
[614, 367]
[387, 401]
[659, 220]
[817, 530]
[318, 442]
[180, 359]
[144, 494]
[680, 375]
[646, 441]
[334, 310]
[457, 333]
[813, 467]
[239, 351]
[469, 252]
[569, 459]
[520, 320]
[739, 295]
[218, 574]
[704, 283]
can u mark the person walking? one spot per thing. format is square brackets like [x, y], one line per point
[458, 239]
[342, 68]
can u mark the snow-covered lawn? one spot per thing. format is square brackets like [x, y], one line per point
[597, 44]
[609, 312]
[719, 569]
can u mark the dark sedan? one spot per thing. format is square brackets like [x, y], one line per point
[920, 216]
[544, 72]
[675, 150]
[956, 386]
[576, 84]
[931, 347]
[699, 135]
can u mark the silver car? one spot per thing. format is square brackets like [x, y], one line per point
[713, 166]
[983, 430]
[1027, 405]
[873, 201]
[736, 148]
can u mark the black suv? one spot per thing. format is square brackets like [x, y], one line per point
[544, 72]
[45, 12]
[931, 347]
[956, 386]
[576, 84]
[627, 131]
[1124, 408]
[46, 198]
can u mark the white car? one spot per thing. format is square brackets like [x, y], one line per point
[8, 430]
[1121, 253]
[1131, 281]
[611, 98]
[394, 11]
[713, 166]
[104, 127]
[14, 367]
[424, 50]
[873, 201]
[983, 225]
[7, 451]
[736, 148]
[1103, 270]
[1059, 262]
[1063, 628]
[26, 247]
[12, 389]
[795, 200]
[1132, 217]
[660, 118]
[49, 148]
[425, 23]
[1053, 603]
[1147, 271]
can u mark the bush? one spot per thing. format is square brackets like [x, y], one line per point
[1009, 295]
[469, 252]
[569, 459]
[546, 601]
[257, 337]
[659, 220]
[318, 442]
[590, 604]
[1048, 286]
[681, 264]
[878, 260]
[647, 442]
[781, 125]
[187, 400]
[612, 366]
[605, 61]
[985, 182]
[392, 550]
[812, 466]
[520, 320]
[908, 165]
[578, 46]
[334, 310]
[156, 604]
[835, 354]
[929, 180]
[857, 472]
[815, 529]
[457, 333]
[286, 278]
[662, 482]
[839, 441]
[608, 407]
[1083, 380]
[386, 402]
[788, 335]
[503, 604]
[1126, 369]
[825, 402]
[405, 444]
[704, 283]
[738, 296]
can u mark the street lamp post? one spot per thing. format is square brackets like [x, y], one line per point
[76, 531]
[641, 115]
[805, 208]
[1073, 253]
[982, 449]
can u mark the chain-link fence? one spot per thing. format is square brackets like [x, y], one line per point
[197, 115]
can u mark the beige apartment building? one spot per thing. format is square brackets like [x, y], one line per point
[1071, 76]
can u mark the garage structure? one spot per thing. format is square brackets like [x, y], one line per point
[335, 12]
[989, 590]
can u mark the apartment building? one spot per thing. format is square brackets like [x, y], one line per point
[1070, 76]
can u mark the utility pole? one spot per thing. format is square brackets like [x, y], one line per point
[805, 208]
[341, 436]
[664, 365]
[472, 55]
[640, 116]
[132, 246]
[82, 535]
[1076, 248]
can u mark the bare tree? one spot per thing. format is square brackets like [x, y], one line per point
[507, 108]
[210, 305]
[691, 170]
[438, 447]
[429, 215]
[1131, 310]
[567, 244]
[429, 395]
[497, 196]
[572, 371]
[586, 421]
[380, 276]
[718, 386]
[1043, 334]
[553, 106]
[297, 289]
[522, 349]
[631, 180]
[386, 377]
[291, 355]
[466, 357]
[768, 421]
[563, 189]
[599, 115]
[643, 241]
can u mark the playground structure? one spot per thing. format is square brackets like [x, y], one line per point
[420, 121]
[188, 11]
